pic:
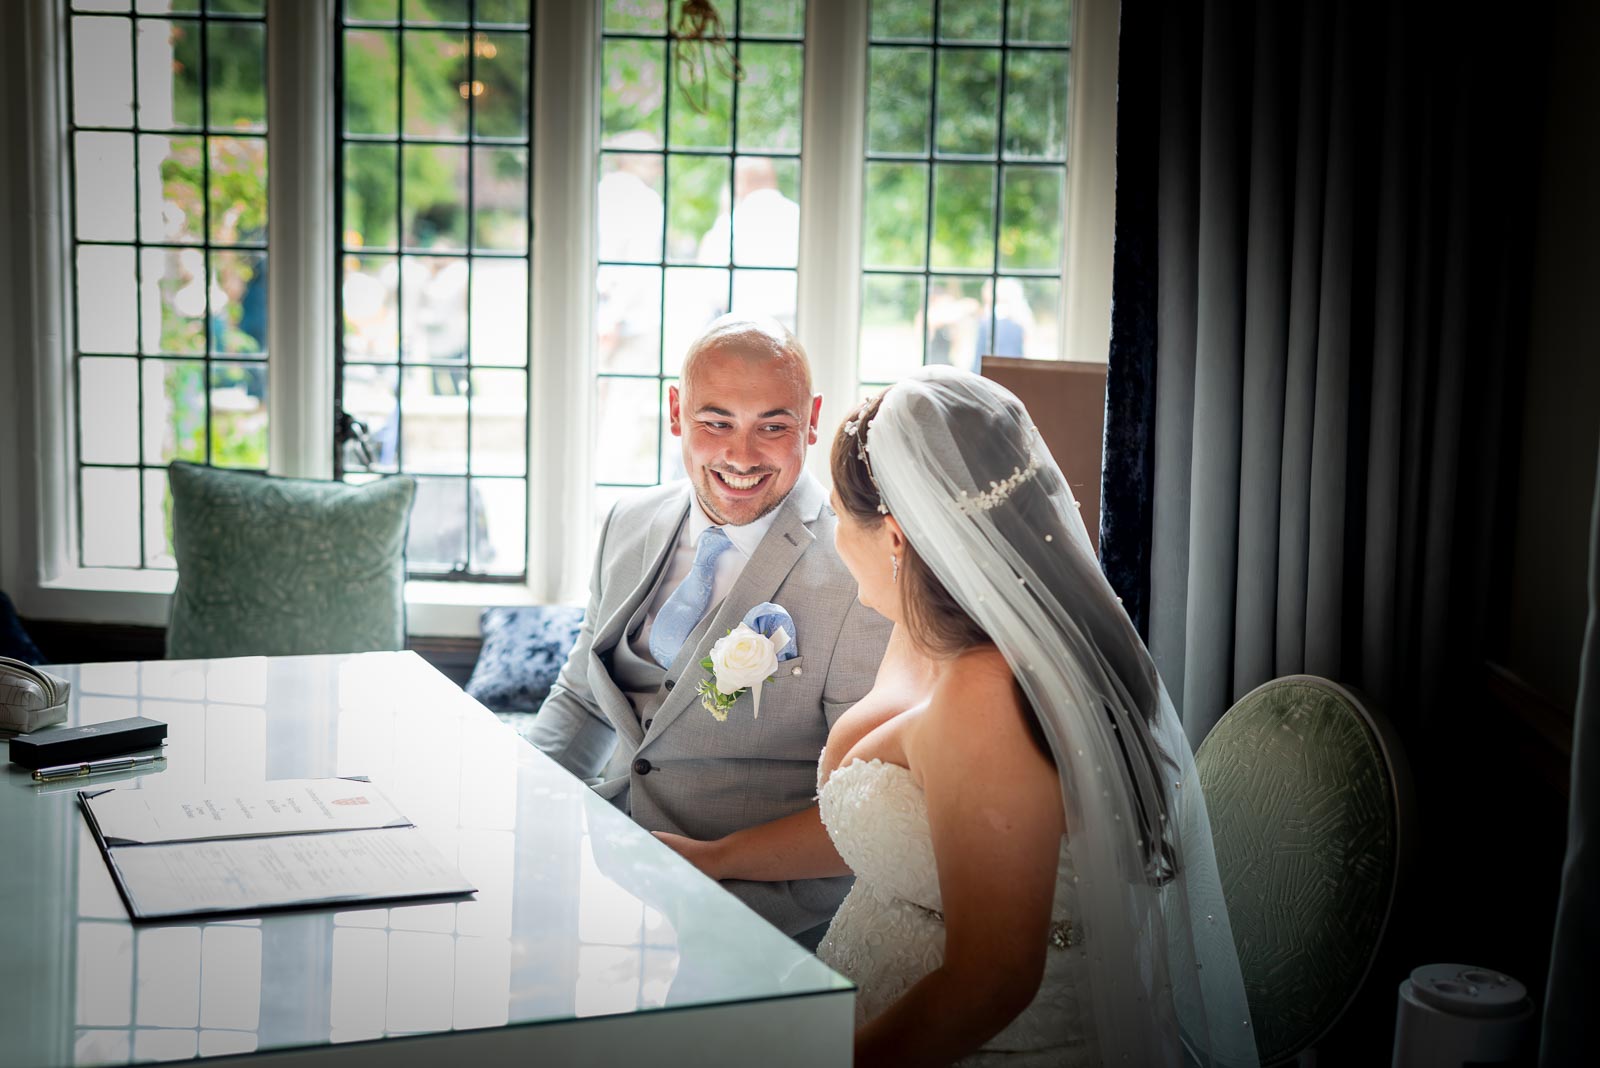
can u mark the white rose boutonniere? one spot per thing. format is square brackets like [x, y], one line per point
[745, 659]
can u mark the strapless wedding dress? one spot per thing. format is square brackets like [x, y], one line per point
[889, 932]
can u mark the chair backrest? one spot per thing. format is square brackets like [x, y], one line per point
[1310, 805]
[1067, 400]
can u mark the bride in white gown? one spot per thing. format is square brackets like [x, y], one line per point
[890, 933]
[1035, 880]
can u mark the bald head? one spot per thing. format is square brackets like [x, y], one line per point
[746, 414]
[764, 342]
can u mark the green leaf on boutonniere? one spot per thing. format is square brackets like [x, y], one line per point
[706, 663]
[714, 701]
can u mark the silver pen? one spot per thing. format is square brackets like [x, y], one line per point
[91, 767]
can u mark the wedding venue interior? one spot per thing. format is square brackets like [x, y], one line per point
[462, 460]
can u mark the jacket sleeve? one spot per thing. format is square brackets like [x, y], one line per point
[857, 653]
[570, 728]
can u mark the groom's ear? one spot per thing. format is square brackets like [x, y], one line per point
[672, 412]
[816, 416]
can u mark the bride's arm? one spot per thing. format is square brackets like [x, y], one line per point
[797, 846]
[794, 847]
[994, 809]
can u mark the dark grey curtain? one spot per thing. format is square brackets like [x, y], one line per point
[1570, 1026]
[1339, 191]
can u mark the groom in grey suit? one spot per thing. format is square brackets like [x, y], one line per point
[681, 565]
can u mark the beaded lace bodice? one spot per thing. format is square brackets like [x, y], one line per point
[889, 932]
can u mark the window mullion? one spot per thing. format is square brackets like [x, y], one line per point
[38, 455]
[300, 107]
[831, 180]
[1091, 183]
[561, 363]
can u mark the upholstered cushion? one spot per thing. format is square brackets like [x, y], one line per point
[1303, 806]
[523, 651]
[279, 566]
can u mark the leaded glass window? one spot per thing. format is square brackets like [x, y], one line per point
[965, 187]
[433, 301]
[167, 121]
[697, 203]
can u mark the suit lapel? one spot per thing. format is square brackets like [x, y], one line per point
[786, 541]
[609, 696]
[658, 545]
[659, 542]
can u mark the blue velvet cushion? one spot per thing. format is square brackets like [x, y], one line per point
[523, 652]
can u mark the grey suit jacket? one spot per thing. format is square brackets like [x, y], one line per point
[687, 773]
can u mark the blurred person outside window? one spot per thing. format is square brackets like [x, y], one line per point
[1013, 321]
[766, 233]
[631, 215]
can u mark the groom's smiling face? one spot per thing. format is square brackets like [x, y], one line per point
[745, 417]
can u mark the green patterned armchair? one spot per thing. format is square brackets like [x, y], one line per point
[1310, 803]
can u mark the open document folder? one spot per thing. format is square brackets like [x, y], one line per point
[197, 850]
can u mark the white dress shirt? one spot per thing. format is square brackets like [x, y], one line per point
[730, 565]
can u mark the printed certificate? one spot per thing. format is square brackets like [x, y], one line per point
[293, 843]
[163, 813]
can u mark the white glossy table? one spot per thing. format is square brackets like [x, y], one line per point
[587, 943]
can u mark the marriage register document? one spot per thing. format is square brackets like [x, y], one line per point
[185, 851]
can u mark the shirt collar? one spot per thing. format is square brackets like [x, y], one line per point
[745, 538]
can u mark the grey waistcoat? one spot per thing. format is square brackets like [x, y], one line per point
[688, 773]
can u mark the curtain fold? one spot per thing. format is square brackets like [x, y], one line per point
[1330, 360]
[1265, 336]
[1386, 426]
[1299, 357]
[1331, 412]
[1176, 153]
[1127, 450]
[1218, 361]
[1569, 1019]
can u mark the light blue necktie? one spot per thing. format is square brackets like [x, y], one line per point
[688, 603]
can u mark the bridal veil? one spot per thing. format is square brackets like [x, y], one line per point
[962, 469]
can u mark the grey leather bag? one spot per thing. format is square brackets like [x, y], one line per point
[30, 698]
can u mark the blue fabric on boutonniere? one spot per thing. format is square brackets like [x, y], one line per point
[766, 618]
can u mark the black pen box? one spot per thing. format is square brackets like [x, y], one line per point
[68, 745]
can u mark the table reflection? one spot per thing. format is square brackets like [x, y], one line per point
[169, 992]
[578, 913]
[402, 970]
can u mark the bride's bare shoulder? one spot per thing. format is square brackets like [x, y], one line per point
[981, 669]
[975, 723]
[975, 688]
[903, 682]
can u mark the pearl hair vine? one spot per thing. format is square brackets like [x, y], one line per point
[853, 427]
[972, 504]
[999, 490]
